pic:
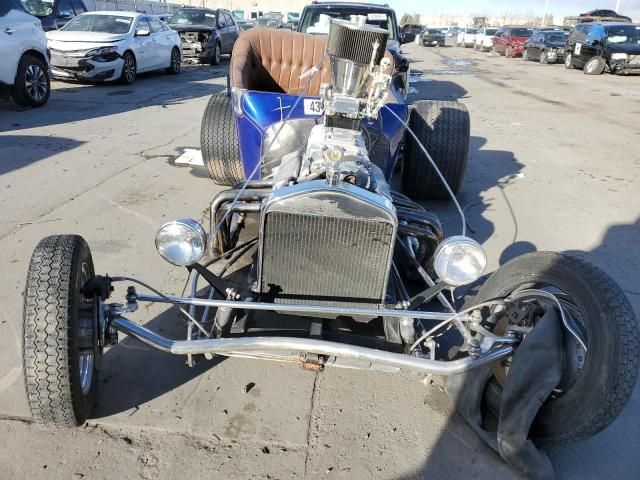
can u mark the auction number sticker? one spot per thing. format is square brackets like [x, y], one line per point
[577, 49]
[312, 106]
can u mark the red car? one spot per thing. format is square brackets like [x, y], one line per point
[509, 40]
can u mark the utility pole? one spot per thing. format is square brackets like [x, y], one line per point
[617, 6]
[546, 12]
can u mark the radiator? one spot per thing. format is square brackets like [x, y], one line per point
[326, 247]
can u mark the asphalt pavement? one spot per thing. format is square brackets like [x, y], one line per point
[553, 165]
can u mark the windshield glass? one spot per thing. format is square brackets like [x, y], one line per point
[434, 31]
[40, 8]
[491, 31]
[115, 24]
[556, 37]
[623, 34]
[293, 17]
[471, 30]
[317, 22]
[194, 17]
[521, 32]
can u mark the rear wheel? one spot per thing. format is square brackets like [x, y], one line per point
[443, 128]
[219, 141]
[568, 61]
[32, 87]
[60, 335]
[594, 66]
[596, 384]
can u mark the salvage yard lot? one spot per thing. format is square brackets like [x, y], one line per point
[553, 166]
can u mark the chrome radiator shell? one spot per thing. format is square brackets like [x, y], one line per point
[326, 245]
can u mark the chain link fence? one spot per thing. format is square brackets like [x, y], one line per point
[145, 6]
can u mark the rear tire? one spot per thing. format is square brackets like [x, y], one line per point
[32, 86]
[219, 141]
[608, 375]
[444, 130]
[568, 61]
[594, 66]
[60, 333]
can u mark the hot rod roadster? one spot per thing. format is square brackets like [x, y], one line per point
[344, 270]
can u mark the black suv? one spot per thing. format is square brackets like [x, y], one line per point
[432, 37]
[597, 46]
[206, 34]
[54, 14]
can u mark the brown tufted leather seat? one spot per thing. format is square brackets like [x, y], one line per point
[271, 60]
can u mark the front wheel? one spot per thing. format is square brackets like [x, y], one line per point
[129, 69]
[544, 57]
[595, 384]
[216, 55]
[60, 347]
[594, 66]
[525, 55]
[444, 129]
[507, 52]
[176, 62]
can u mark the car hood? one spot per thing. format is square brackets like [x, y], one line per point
[427, 34]
[191, 28]
[61, 37]
[630, 48]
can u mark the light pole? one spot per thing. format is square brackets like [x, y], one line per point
[546, 11]
[617, 6]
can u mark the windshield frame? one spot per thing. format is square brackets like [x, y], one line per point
[88, 16]
[204, 14]
[345, 14]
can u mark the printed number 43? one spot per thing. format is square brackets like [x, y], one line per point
[312, 106]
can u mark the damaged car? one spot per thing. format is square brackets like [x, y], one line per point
[312, 255]
[206, 34]
[109, 46]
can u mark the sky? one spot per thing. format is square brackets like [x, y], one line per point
[559, 8]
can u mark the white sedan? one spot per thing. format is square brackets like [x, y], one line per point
[105, 46]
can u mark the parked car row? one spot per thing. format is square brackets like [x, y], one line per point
[593, 46]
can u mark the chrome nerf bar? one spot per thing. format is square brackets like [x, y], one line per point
[246, 345]
[287, 308]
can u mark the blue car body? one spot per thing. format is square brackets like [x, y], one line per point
[256, 111]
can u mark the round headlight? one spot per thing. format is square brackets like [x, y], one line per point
[181, 242]
[459, 260]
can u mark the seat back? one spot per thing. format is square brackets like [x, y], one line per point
[270, 60]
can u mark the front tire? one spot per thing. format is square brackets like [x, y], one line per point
[507, 51]
[129, 69]
[444, 130]
[60, 333]
[32, 86]
[176, 62]
[525, 55]
[216, 55]
[594, 66]
[219, 141]
[602, 385]
[544, 58]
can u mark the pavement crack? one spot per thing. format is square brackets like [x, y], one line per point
[314, 393]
